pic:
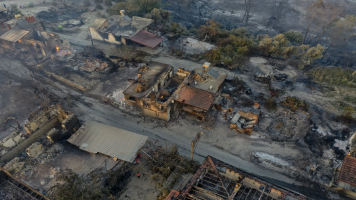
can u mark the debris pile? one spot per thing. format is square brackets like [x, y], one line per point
[244, 122]
[94, 65]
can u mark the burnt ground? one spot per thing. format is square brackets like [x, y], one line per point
[311, 143]
[266, 17]
[18, 97]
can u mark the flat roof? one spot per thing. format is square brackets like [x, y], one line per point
[96, 137]
[149, 78]
[98, 23]
[118, 26]
[148, 39]
[215, 83]
[2, 9]
[14, 35]
[195, 97]
[348, 171]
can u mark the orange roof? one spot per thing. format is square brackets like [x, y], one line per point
[195, 97]
[348, 171]
[172, 194]
[147, 39]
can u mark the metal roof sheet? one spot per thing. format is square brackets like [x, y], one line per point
[13, 35]
[2, 9]
[115, 142]
[213, 73]
[147, 39]
[195, 97]
[348, 171]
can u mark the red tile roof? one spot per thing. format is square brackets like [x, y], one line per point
[195, 97]
[348, 171]
[172, 194]
[147, 39]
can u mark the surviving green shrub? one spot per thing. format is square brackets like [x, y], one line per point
[277, 46]
[271, 104]
[334, 76]
[15, 9]
[209, 31]
[129, 8]
[177, 28]
[146, 6]
[294, 36]
[159, 15]
[241, 32]
[231, 50]
[350, 99]
[348, 111]
[294, 104]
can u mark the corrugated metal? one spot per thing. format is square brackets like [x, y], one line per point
[2, 9]
[146, 38]
[100, 138]
[13, 35]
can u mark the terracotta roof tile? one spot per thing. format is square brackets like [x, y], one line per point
[195, 97]
[147, 39]
[348, 171]
[172, 194]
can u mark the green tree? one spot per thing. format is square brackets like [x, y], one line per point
[214, 56]
[80, 187]
[129, 8]
[209, 31]
[146, 6]
[277, 46]
[242, 32]
[294, 36]
[159, 15]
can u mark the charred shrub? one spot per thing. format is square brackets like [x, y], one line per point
[294, 104]
[271, 104]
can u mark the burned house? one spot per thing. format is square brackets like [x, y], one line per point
[56, 123]
[152, 90]
[347, 176]
[216, 180]
[28, 35]
[158, 91]
[195, 101]
[117, 29]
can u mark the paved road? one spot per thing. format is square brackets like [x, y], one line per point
[114, 117]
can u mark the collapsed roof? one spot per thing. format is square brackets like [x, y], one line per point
[148, 78]
[218, 180]
[348, 171]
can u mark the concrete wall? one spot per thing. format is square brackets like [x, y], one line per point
[111, 38]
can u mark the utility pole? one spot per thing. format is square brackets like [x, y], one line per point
[195, 144]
